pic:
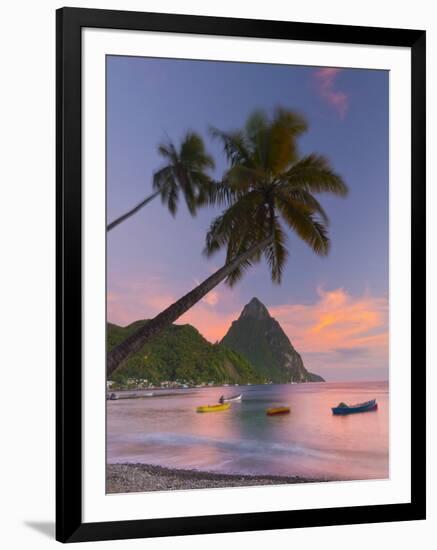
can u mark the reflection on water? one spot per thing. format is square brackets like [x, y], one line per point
[166, 430]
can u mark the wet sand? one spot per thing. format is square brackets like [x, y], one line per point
[128, 478]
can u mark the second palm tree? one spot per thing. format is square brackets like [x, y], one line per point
[185, 172]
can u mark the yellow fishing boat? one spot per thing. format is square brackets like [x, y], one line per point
[213, 408]
[278, 410]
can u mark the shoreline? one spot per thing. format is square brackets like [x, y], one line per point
[204, 386]
[129, 478]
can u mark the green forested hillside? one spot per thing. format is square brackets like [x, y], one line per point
[181, 353]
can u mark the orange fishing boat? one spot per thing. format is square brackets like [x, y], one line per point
[277, 410]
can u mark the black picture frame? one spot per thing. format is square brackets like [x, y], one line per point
[69, 525]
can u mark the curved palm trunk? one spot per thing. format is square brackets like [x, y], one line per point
[164, 319]
[132, 212]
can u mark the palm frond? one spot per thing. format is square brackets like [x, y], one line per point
[285, 128]
[306, 225]
[170, 197]
[300, 196]
[295, 123]
[245, 244]
[168, 151]
[257, 123]
[238, 273]
[232, 227]
[193, 153]
[241, 178]
[314, 174]
[190, 195]
[234, 146]
[216, 193]
[162, 177]
[276, 253]
[256, 132]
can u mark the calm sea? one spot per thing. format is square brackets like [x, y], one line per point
[166, 430]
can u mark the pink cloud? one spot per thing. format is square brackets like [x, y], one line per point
[338, 329]
[213, 315]
[325, 80]
[211, 298]
[336, 320]
[137, 299]
[212, 324]
[144, 298]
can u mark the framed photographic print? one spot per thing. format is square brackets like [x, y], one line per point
[240, 274]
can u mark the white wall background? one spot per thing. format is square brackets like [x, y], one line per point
[27, 260]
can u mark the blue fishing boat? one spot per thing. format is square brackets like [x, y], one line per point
[342, 408]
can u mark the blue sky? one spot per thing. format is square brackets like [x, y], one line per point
[333, 309]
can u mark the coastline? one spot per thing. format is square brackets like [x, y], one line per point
[129, 478]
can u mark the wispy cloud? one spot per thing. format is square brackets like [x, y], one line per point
[337, 320]
[326, 86]
[338, 329]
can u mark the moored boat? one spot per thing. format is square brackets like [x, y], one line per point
[343, 408]
[224, 399]
[112, 396]
[272, 411]
[213, 408]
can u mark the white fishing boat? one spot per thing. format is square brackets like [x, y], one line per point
[231, 398]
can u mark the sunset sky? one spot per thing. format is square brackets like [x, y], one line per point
[334, 309]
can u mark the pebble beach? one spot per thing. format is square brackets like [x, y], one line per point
[128, 478]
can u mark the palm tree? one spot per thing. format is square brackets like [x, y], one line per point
[185, 173]
[267, 188]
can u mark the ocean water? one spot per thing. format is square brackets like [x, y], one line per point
[166, 430]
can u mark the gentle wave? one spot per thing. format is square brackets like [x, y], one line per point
[242, 446]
